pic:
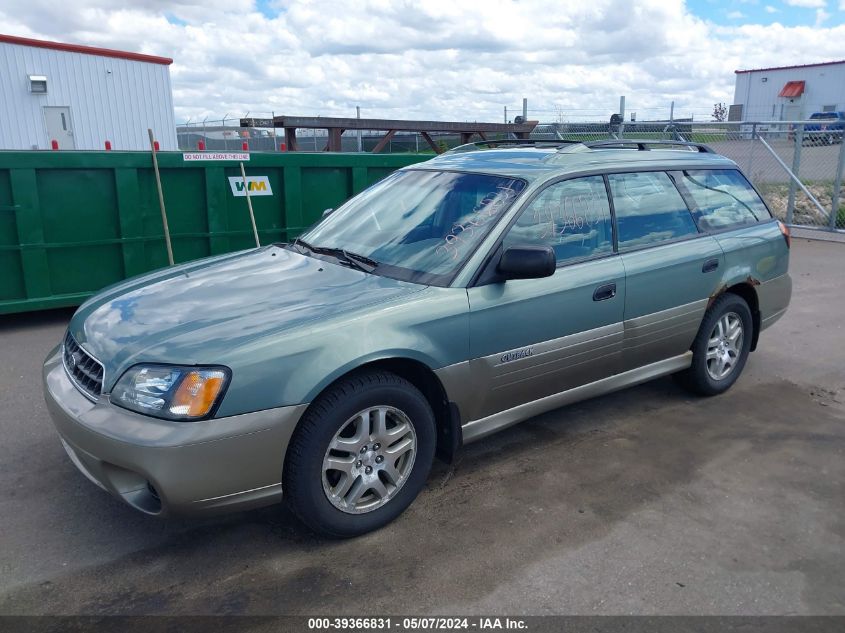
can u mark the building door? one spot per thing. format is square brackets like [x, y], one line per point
[59, 126]
[792, 112]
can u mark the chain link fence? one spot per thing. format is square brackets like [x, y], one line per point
[796, 165]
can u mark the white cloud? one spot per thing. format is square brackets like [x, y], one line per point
[771, 9]
[736, 15]
[432, 58]
[808, 4]
[821, 16]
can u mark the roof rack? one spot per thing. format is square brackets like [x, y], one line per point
[469, 147]
[642, 145]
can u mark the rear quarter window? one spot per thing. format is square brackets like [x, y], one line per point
[722, 199]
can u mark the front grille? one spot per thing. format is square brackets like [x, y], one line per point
[85, 371]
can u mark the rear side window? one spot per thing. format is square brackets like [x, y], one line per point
[649, 209]
[572, 217]
[723, 199]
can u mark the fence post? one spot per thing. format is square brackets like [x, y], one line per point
[622, 117]
[837, 184]
[751, 151]
[796, 166]
[358, 134]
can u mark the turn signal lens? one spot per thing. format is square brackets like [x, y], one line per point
[197, 393]
[171, 392]
[785, 232]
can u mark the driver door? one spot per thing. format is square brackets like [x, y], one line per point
[531, 338]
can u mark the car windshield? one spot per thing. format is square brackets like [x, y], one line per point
[416, 225]
[823, 115]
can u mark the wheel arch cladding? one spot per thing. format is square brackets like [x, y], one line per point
[749, 294]
[446, 415]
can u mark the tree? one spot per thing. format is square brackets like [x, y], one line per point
[720, 112]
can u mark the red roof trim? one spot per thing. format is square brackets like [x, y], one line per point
[87, 50]
[759, 70]
[792, 89]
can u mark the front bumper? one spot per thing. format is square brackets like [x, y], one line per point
[163, 467]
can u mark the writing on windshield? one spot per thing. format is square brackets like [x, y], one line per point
[489, 208]
[418, 224]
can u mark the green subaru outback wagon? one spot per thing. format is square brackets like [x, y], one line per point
[454, 298]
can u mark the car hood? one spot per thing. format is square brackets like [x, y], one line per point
[195, 313]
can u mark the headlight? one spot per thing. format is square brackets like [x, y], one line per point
[171, 392]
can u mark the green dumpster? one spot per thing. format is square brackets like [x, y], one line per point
[74, 222]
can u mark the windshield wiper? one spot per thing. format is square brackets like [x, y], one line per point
[361, 262]
[298, 241]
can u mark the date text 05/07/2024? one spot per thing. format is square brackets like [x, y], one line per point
[416, 624]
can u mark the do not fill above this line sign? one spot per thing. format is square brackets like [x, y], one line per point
[239, 156]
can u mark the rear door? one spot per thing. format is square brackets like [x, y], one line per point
[671, 270]
[531, 338]
[724, 203]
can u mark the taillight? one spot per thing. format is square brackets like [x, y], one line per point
[784, 230]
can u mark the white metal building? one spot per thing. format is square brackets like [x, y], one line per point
[82, 96]
[788, 93]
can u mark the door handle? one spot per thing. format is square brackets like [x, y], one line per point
[605, 291]
[710, 265]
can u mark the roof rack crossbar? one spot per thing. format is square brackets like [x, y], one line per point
[642, 145]
[468, 147]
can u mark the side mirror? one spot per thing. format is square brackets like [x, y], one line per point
[327, 212]
[527, 262]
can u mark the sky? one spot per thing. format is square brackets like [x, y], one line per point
[462, 60]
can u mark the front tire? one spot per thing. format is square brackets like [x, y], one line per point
[360, 455]
[721, 347]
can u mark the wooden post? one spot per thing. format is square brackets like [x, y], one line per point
[153, 149]
[249, 205]
[335, 143]
[431, 143]
[290, 139]
[384, 141]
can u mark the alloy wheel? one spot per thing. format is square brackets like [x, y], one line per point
[369, 459]
[724, 346]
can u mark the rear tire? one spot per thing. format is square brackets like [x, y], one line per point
[721, 347]
[360, 455]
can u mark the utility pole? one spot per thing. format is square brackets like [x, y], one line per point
[524, 109]
[358, 115]
[672, 112]
[506, 114]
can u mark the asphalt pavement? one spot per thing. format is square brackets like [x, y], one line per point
[648, 501]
